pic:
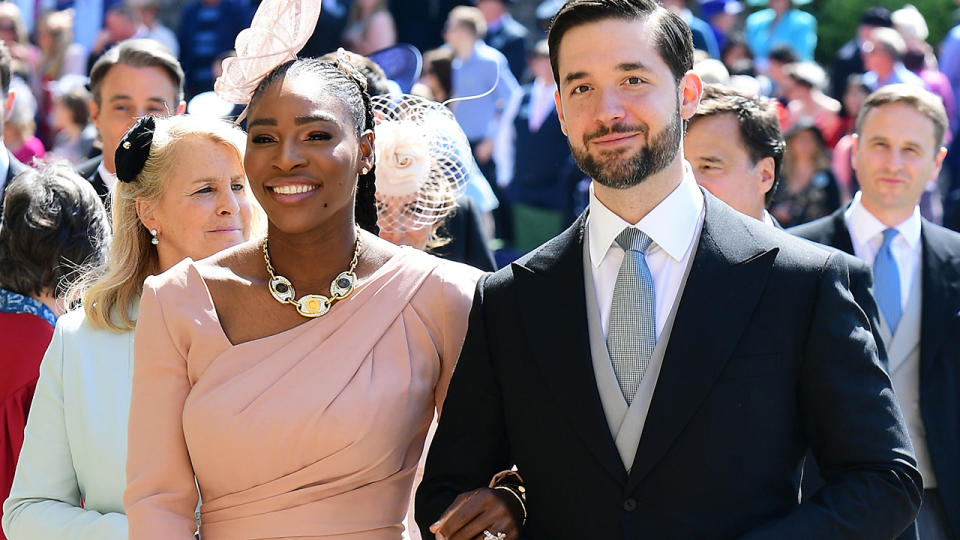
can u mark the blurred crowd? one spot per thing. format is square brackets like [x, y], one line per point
[479, 50]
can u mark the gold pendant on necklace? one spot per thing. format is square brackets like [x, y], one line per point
[312, 305]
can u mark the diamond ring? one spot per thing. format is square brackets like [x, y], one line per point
[487, 535]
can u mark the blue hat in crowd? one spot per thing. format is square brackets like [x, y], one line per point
[401, 63]
[709, 8]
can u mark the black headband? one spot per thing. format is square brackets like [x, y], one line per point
[134, 149]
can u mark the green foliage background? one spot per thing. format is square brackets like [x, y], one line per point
[837, 21]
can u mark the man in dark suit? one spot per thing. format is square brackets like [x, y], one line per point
[505, 34]
[9, 165]
[671, 387]
[136, 78]
[897, 151]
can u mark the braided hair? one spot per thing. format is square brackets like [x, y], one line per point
[345, 82]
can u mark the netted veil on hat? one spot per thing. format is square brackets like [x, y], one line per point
[423, 160]
[279, 30]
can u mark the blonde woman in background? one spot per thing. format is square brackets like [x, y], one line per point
[60, 55]
[182, 193]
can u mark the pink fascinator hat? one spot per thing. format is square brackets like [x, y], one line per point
[280, 28]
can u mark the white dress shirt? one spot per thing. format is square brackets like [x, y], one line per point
[673, 225]
[109, 178]
[866, 232]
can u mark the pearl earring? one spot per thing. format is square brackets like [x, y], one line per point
[154, 240]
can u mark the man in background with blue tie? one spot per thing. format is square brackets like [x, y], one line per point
[661, 368]
[916, 266]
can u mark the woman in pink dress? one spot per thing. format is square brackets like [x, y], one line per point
[295, 377]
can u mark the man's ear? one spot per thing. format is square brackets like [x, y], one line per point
[768, 173]
[94, 113]
[691, 88]
[181, 108]
[853, 151]
[563, 123]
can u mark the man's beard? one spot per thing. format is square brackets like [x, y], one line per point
[621, 173]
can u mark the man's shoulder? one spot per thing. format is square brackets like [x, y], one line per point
[762, 17]
[791, 250]
[820, 230]
[514, 30]
[564, 249]
[948, 241]
[88, 168]
[798, 16]
[488, 54]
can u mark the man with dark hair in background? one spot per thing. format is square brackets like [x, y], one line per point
[9, 165]
[136, 78]
[661, 368]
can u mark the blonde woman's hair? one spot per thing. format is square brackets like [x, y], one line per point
[110, 291]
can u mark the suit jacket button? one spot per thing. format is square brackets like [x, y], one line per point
[630, 505]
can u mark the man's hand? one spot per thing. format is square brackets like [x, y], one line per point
[476, 511]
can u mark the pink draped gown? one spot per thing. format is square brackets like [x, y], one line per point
[314, 432]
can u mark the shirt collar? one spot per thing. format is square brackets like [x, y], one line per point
[109, 179]
[768, 219]
[671, 225]
[864, 226]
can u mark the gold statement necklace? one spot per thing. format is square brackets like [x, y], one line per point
[313, 305]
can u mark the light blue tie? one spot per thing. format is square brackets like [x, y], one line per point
[886, 277]
[631, 334]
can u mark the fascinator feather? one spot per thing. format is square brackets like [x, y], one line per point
[279, 30]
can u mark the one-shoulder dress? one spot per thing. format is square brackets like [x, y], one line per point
[314, 432]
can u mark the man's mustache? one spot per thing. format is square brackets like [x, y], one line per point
[603, 131]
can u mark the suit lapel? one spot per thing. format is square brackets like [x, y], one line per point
[941, 296]
[728, 275]
[552, 281]
[841, 235]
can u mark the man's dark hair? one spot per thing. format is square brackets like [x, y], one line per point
[877, 16]
[53, 226]
[783, 54]
[139, 53]
[77, 102]
[125, 11]
[6, 67]
[671, 35]
[758, 121]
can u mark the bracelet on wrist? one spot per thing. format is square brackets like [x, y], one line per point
[519, 493]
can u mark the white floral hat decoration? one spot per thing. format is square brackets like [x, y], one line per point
[422, 158]
[280, 28]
